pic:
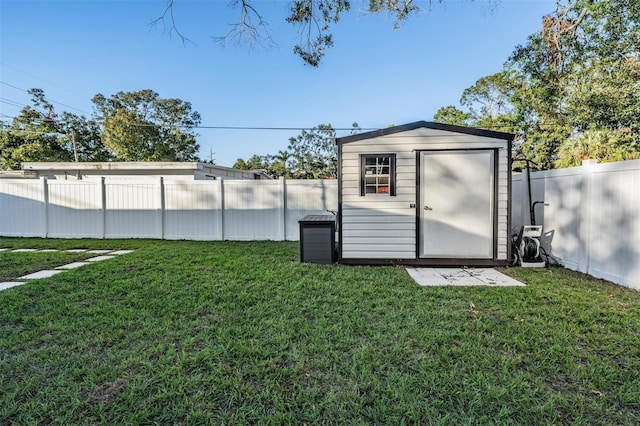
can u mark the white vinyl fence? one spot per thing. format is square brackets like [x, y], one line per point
[592, 221]
[164, 209]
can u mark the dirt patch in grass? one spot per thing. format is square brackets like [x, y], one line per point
[105, 391]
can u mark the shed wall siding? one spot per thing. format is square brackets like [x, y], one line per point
[379, 226]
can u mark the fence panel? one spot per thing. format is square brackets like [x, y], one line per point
[565, 234]
[22, 208]
[192, 210]
[253, 210]
[133, 209]
[614, 251]
[74, 209]
[308, 197]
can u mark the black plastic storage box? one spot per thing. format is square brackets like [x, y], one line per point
[317, 238]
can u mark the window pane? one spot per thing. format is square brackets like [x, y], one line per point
[376, 174]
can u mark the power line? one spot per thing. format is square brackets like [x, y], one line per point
[289, 128]
[35, 132]
[47, 98]
[274, 128]
[43, 80]
[238, 127]
[11, 102]
[15, 87]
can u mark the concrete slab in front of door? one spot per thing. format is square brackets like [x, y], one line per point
[461, 277]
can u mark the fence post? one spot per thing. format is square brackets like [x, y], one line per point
[221, 192]
[161, 211]
[284, 209]
[103, 205]
[585, 213]
[45, 196]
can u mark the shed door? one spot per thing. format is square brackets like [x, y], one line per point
[457, 202]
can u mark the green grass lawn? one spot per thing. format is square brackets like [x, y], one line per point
[14, 265]
[242, 333]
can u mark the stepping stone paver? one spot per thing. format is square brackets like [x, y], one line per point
[72, 265]
[48, 273]
[8, 284]
[40, 274]
[99, 258]
[461, 277]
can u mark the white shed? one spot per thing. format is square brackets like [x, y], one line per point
[425, 194]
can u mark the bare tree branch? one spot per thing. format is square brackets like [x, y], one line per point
[167, 15]
[251, 30]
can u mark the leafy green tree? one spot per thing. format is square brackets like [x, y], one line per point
[87, 135]
[142, 126]
[580, 73]
[240, 164]
[488, 104]
[279, 164]
[314, 153]
[275, 165]
[254, 162]
[571, 90]
[489, 101]
[19, 145]
[36, 134]
[602, 145]
[452, 115]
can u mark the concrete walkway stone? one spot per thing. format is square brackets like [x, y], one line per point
[99, 258]
[122, 251]
[40, 274]
[8, 284]
[72, 265]
[461, 277]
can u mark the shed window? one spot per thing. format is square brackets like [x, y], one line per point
[378, 174]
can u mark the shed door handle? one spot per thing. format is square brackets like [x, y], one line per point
[428, 208]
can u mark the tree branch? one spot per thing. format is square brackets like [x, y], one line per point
[173, 29]
[252, 30]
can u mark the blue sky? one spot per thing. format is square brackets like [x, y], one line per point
[374, 75]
